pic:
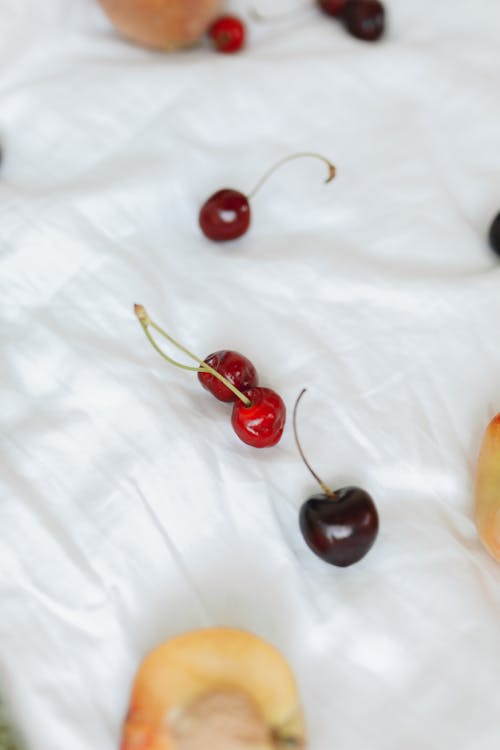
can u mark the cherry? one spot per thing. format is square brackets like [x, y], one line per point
[261, 423]
[495, 234]
[340, 527]
[364, 19]
[226, 214]
[227, 34]
[259, 414]
[332, 7]
[234, 367]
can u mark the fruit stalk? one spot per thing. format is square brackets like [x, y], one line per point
[323, 486]
[146, 323]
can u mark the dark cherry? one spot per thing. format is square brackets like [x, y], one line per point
[495, 234]
[225, 215]
[227, 34]
[261, 423]
[234, 367]
[340, 527]
[364, 19]
[332, 7]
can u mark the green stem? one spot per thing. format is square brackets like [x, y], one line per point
[302, 155]
[146, 322]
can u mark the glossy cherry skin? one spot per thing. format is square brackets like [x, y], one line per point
[332, 7]
[225, 215]
[340, 529]
[228, 34]
[262, 423]
[234, 367]
[495, 234]
[364, 19]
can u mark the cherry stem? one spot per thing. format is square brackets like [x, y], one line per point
[258, 16]
[146, 323]
[323, 486]
[302, 155]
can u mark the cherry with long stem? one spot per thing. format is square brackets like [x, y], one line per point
[226, 214]
[339, 527]
[147, 323]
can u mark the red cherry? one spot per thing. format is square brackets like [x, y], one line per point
[228, 34]
[260, 424]
[234, 367]
[332, 7]
[225, 215]
[364, 19]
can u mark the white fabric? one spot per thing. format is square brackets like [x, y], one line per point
[129, 510]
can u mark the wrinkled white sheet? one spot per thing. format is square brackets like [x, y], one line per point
[129, 511]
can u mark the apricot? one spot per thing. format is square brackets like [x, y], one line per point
[487, 495]
[214, 689]
[162, 24]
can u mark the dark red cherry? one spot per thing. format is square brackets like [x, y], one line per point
[495, 234]
[341, 526]
[225, 215]
[234, 367]
[260, 424]
[332, 7]
[340, 529]
[227, 34]
[364, 19]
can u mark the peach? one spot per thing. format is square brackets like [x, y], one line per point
[487, 496]
[215, 689]
[162, 24]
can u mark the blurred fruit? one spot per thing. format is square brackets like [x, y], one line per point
[495, 234]
[163, 24]
[228, 34]
[214, 689]
[487, 498]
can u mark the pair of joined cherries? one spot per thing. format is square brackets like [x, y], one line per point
[226, 214]
[259, 414]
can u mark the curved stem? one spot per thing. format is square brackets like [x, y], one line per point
[254, 13]
[301, 155]
[146, 322]
[323, 486]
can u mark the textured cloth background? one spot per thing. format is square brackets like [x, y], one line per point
[129, 511]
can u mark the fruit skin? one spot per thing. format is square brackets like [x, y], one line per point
[332, 7]
[364, 19]
[228, 34]
[262, 423]
[234, 367]
[225, 215]
[340, 529]
[494, 235]
[200, 663]
[487, 490]
[162, 24]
